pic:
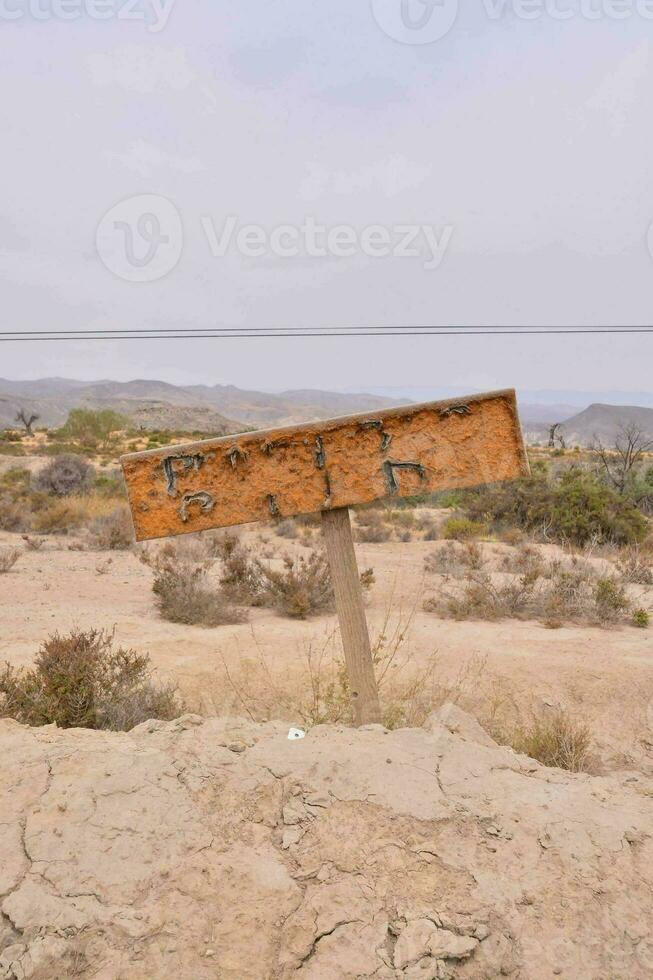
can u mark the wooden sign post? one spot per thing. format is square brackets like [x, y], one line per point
[328, 467]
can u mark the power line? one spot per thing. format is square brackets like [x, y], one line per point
[230, 333]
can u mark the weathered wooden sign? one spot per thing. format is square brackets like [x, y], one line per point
[329, 466]
[324, 465]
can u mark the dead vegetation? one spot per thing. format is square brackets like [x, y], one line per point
[318, 693]
[527, 586]
[8, 558]
[556, 739]
[82, 681]
[184, 594]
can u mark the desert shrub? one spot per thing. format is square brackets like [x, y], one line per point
[286, 529]
[13, 516]
[404, 536]
[558, 741]
[8, 558]
[641, 619]
[33, 544]
[372, 529]
[109, 485]
[554, 594]
[635, 566]
[455, 559]
[64, 476]
[114, 531]
[577, 508]
[512, 536]
[82, 681]
[57, 517]
[525, 560]
[461, 529]
[242, 579]
[185, 595]
[611, 600]
[301, 588]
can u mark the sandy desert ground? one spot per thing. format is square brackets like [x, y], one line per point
[214, 847]
[603, 675]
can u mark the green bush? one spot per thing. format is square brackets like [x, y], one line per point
[93, 427]
[641, 619]
[461, 529]
[576, 508]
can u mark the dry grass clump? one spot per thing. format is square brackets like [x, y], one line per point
[318, 692]
[184, 593]
[455, 559]
[371, 527]
[556, 740]
[81, 681]
[8, 558]
[114, 531]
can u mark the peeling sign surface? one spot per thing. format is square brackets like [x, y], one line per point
[334, 463]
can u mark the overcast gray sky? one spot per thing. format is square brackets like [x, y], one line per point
[524, 145]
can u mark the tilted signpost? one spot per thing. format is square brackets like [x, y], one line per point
[328, 467]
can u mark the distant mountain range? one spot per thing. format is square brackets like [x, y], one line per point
[158, 405]
[221, 409]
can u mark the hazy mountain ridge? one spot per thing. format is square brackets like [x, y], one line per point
[159, 404]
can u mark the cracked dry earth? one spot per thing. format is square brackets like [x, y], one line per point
[219, 849]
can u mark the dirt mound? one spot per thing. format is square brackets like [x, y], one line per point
[204, 849]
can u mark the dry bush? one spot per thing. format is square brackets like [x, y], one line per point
[114, 531]
[403, 519]
[65, 476]
[558, 741]
[13, 515]
[635, 566]
[286, 529]
[371, 528]
[512, 536]
[461, 529]
[455, 559]
[525, 560]
[242, 580]
[559, 594]
[58, 517]
[33, 544]
[185, 595]
[81, 681]
[301, 588]
[8, 558]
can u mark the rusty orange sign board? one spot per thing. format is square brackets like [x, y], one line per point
[340, 462]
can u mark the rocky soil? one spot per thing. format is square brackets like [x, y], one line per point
[220, 849]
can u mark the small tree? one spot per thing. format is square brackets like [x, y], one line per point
[27, 419]
[93, 427]
[619, 464]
